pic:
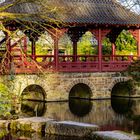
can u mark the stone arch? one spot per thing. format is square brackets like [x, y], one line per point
[37, 92]
[118, 80]
[83, 81]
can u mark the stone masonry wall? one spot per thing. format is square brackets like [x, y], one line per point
[58, 85]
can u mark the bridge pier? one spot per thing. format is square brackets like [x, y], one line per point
[57, 86]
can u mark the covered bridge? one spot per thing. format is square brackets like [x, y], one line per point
[105, 18]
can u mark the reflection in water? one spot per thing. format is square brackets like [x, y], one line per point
[36, 136]
[80, 107]
[115, 114]
[32, 108]
[121, 105]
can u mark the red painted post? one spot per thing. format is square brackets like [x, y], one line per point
[25, 45]
[33, 49]
[113, 51]
[138, 50]
[56, 53]
[100, 50]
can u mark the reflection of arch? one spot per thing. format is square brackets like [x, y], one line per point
[32, 108]
[121, 105]
[86, 82]
[80, 108]
[33, 92]
[32, 95]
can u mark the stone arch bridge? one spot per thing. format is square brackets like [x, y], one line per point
[57, 86]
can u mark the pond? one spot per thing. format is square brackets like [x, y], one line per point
[115, 114]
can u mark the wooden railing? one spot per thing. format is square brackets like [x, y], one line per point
[71, 63]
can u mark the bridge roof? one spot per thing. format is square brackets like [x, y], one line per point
[99, 12]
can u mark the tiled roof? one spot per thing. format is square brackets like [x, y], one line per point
[78, 11]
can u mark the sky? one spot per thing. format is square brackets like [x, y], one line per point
[134, 5]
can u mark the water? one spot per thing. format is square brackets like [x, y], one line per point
[115, 114]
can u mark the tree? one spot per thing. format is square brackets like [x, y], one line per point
[48, 13]
[126, 44]
[87, 44]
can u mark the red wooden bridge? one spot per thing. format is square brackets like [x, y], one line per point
[102, 19]
[68, 63]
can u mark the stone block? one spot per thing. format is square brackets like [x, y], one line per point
[4, 123]
[112, 135]
[33, 124]
[69, 128]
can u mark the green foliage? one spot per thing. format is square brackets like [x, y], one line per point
[106, 47]
[3, 133]
[66, 44]
[5, 100]
[126, 44]
[86, 44]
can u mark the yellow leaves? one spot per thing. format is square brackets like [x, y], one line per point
[2, 28]
[5, 7]
[13, 15]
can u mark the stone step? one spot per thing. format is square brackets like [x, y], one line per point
[113, 135]
[4, 123]
[33, 124]
[49, 126]
[70, 128]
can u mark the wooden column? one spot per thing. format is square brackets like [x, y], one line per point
[33, 49]
[100, 49]
[56, 50]
[75, 33]
[7, 66]
[113, 51]
[136, 35]
[56, 34]
[138, 50]
[25, 45]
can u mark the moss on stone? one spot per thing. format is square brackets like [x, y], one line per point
[3, 133]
